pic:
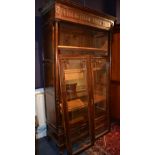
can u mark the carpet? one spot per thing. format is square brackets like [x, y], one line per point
[108, 144]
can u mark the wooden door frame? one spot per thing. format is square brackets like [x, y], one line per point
[64, 101]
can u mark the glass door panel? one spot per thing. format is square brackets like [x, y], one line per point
[77, 102]
[100, 83]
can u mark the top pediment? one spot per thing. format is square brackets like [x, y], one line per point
[78, 15]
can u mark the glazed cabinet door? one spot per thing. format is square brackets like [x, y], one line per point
[75, 105]
[100, 76]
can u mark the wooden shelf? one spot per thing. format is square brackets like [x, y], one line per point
[78, 103]
[80, 48]
[77, 120]
[75, 104]
[81, 90]
[70, 71]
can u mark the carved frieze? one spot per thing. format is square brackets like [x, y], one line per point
[71, 14]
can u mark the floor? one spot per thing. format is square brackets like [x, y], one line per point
[47, 147]
[108, 144]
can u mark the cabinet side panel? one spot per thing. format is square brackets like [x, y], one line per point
[50, 110]
[47, 42]
[49, 80]
[49, 93]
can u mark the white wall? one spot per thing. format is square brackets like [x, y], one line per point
[40, 112]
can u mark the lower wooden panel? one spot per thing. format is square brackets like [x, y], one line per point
[58, 138]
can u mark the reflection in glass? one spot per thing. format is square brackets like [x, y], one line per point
[100, 94]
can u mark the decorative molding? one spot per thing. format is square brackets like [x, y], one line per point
[71, 14]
